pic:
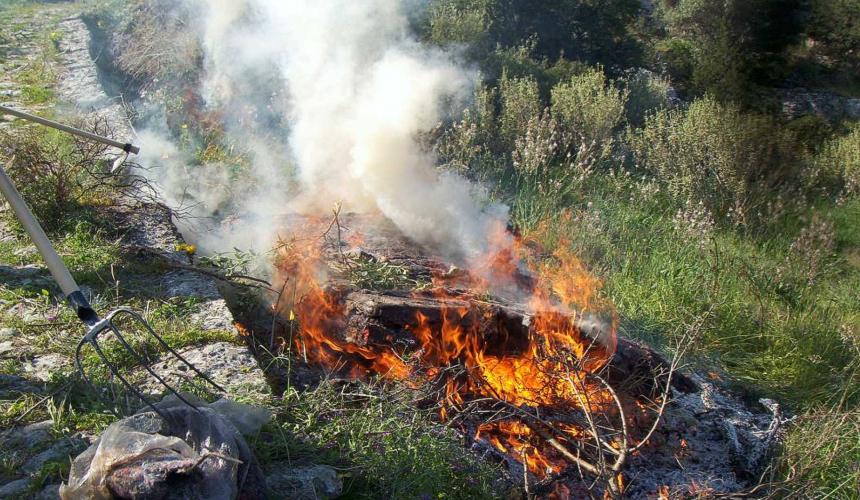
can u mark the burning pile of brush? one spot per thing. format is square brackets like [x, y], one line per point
[515, 349]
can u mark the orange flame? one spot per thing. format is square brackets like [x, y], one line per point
[549, 370]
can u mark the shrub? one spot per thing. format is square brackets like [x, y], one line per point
[589, 107]
[834, 27]
[647, 92]
[735, 43]
[595, 32]
[549, 164]
[735, 163]
[539, 157]
[134, 34]
[451, 22]
[57, 174]
[520, 102]
[676, 56]
[471, 145]
[840, 159]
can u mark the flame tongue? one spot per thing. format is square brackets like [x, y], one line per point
[544, 363]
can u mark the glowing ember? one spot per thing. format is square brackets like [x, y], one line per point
[548, 367]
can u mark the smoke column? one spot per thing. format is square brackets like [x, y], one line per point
[357, 90]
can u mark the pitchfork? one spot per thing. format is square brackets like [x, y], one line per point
[96, 327]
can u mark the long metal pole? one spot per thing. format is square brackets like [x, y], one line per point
[127, 147]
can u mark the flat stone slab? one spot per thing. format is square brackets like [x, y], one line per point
[231, 366]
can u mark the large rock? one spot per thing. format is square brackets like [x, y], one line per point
[826, 105]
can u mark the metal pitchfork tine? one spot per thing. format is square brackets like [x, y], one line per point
[95, 325]
[107, 325]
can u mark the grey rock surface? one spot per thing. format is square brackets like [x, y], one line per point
[12, 386]
[15, 488]
[305, 483]
[79, 84]
[33, 436]
[61, 450]
[214, 315]
[49, 492]
[829, 106]
[46, 366]
[232, 367]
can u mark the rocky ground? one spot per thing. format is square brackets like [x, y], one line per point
[37, 335]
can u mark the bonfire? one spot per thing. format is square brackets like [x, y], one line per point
[514, 350]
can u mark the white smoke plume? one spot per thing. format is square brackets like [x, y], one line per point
[358, 90]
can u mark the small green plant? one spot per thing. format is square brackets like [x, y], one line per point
[235, 262]
[373, 274]
[53, 471]
[35, 94]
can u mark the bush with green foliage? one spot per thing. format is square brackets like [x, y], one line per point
[459, 22]
[648, 92]
[537, 156]
[520, 101]
[585, 30]
[835, 28]
[840, 158]
[589, 106]
[736, 163]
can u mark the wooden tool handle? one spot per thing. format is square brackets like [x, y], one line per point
[37, 234]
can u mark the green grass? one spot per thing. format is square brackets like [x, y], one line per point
[49, 326]
[821, 455]
[765, 328]
[383, 446]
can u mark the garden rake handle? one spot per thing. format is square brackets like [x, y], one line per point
[58, 269]
[127, 147]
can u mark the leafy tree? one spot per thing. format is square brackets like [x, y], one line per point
[835, 29]
[595, 31]
[736, 43]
